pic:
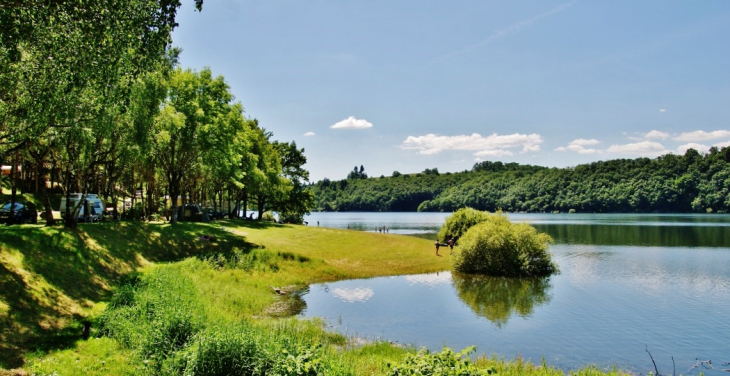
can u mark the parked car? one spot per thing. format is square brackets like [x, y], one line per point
[95, 205]
[24, 211]
[190, 213]
[214, 214]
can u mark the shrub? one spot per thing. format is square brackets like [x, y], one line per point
[225, 351]
[457, 223]
[499, 247]
[292, 218]
[445, 363]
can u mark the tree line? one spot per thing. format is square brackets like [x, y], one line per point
[93, 100]
[693, 182]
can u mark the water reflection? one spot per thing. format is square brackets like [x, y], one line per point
[352, 295]
[664, 235]
[289, 305]
[498, 298]
[432, 279]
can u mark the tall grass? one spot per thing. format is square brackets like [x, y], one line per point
[170, 328]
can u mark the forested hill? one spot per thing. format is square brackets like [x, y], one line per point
[692, 182]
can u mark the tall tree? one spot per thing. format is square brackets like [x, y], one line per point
[54, 53]
[266, 184]
[192, 128]
[299, 200]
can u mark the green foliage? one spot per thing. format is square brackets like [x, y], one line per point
[445, 363]
[668, 184]
[458, 223]
[292, 218]
[223, 350]
[161, 319]
[498, 247]
[357, 173]
[299, 200]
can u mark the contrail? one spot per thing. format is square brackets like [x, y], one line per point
[507, 31]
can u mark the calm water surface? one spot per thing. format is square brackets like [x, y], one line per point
[627, 282]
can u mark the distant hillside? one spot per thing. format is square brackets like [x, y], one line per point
[692, 182]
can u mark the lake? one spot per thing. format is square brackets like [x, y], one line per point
[628, 282]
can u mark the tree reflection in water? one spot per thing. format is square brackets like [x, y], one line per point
[499, 298]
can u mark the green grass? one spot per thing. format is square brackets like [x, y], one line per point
[51, 279]
[163, 301]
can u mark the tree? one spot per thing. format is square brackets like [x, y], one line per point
[193, 122]
[357, 173]
[299, 200]
[58, 59]
[66, 68]
[265, 182]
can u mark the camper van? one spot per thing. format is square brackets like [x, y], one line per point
[94, 204]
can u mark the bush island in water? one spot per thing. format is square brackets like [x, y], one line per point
[459, 222]
[493, 245]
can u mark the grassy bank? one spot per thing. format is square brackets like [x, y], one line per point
[209, 300]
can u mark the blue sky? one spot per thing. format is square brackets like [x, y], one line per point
[408, 85]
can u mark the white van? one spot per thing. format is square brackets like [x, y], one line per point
[96, 206]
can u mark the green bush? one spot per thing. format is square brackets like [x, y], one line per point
[499, 247]
[458, 223]
[445, 363]
[225, 351]
[291, 218]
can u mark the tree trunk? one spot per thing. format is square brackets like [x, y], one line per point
[229, 203]
[69, 220]
[174, 194]
[245, 202]
[260, 201]
[13, 192]
[48, 209]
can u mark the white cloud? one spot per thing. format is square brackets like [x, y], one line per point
[309, 134]
[656, 135]
[584, 142]
[352, 123]
[702, 148]
[692, 145]
[579, 146]
[644, 149]
[662, 110]
[493, 153]
[697, 136]
[493, 145]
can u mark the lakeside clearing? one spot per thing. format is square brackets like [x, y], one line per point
[54, 279]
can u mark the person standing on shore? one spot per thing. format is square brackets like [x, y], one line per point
[437, 247]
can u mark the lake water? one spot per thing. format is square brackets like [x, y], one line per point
[629, 282]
